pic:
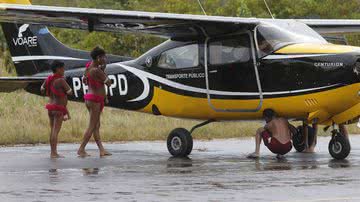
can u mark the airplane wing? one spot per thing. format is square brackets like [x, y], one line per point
[333, 26]
[162, 24]
[10, 84]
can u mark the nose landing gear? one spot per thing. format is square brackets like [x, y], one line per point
[339, 145]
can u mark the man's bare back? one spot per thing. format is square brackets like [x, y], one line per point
[279, 128]
[276, 135]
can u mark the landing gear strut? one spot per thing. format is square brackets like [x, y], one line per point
[339, 145]
[180, 141]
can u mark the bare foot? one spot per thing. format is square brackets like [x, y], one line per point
[56, 156]
[105, 153]
[82, 154]
[309, 150]
[253, 156]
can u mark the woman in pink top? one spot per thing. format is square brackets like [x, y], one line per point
[96, 80]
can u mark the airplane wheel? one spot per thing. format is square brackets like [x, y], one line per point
[298, 138]
[339, 146]
[180, 142]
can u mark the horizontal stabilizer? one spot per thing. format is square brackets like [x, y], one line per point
[10, 84]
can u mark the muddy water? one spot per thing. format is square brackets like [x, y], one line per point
[143, 171]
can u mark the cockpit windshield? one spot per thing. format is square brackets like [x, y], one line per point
[272, 37]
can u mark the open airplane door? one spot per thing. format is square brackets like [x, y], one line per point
[232, 78]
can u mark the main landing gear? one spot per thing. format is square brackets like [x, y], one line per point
[180, 141]
[339, 145]
[298, 138]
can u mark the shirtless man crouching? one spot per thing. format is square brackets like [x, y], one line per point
[276, 135]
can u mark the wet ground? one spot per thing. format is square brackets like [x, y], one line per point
[143, 171]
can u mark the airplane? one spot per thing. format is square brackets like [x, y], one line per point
[211, 68]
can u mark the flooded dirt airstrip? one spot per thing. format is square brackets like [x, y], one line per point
[143, 171]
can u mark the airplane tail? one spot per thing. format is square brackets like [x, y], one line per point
[33, 48]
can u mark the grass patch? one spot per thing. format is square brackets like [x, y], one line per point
[23, 120]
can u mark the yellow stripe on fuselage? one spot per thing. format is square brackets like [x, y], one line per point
[25, 2]
[331, 101]
[317, 49]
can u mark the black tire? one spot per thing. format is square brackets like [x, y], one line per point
[298, 138]
[180, 143]
[339, 147]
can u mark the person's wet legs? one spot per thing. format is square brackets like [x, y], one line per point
[97, 138]
[305, 130]
[343, 130]
[56, 127]
[94, 111]
[312, 146]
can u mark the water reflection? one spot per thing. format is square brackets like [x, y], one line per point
[307, 161]
[309, 166]
[90, 171]
[179, 165]
[272, 165]
[53, 171]
[53, 175]
[175, 162]
[339, 163]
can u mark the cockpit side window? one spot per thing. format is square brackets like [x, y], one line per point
[180, 57]
[265, 46]
[235, 49]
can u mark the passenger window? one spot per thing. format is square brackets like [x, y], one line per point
[230, 50]
[179, 58]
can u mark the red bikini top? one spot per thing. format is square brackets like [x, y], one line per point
[92, 82]
[88, 64]
[50, 87]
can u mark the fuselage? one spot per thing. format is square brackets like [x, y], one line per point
[229, 78]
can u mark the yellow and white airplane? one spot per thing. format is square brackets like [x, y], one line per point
[211, 68]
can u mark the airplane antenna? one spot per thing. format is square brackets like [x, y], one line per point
[201, 6]
[267, 6]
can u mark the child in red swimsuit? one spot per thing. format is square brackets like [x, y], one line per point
[57, 90]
